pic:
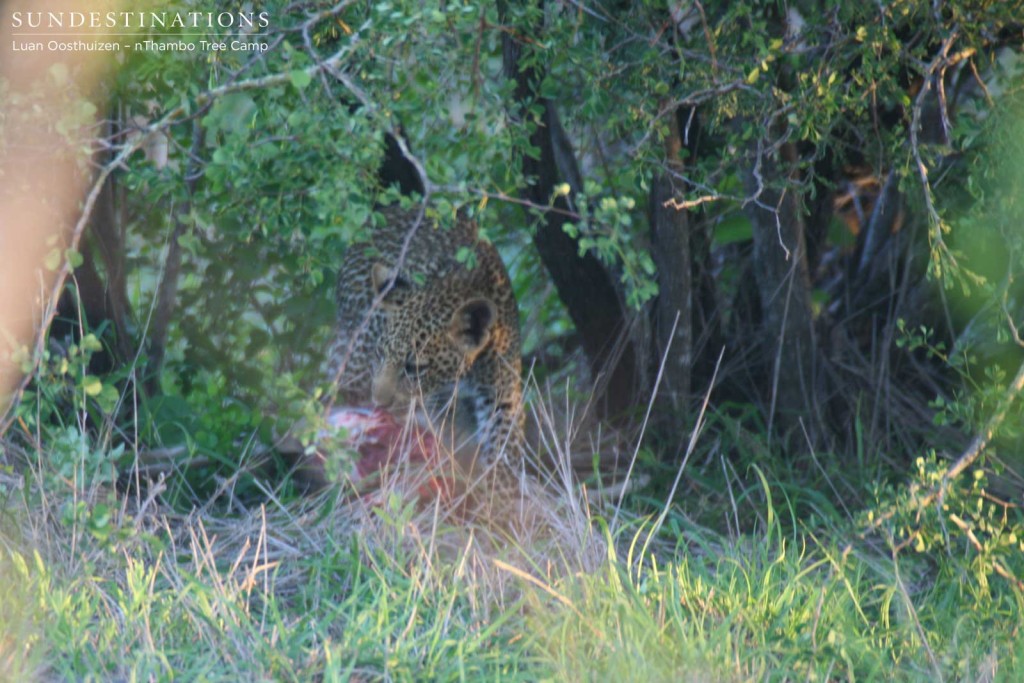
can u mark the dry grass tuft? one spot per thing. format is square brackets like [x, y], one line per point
[490, 539]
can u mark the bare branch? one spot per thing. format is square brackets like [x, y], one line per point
[374, 111]
[934, 70]
[691, 203]
[364, 324]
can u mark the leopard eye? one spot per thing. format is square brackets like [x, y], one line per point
[413, 367]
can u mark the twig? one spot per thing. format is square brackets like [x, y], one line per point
[364, 324]
[374, 112]
[647, 416]
[694, 433]
[967, 458]
[690, 203]
[503, 197]
[941, 62]
[996, 564]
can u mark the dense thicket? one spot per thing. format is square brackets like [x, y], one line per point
[822, 193]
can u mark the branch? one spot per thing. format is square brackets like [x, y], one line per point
[500, 196]
[167, 288]
[941, 62]
[364, 324]
[691, 203]
[996, 564]
[968, 457]
[374, 111]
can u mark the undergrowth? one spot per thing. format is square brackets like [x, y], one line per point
[339, 588]
[760, 568]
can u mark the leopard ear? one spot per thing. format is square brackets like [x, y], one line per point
[387, 282]
[471, 325]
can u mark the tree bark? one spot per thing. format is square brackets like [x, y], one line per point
[100, 296]
[670, 238]
[107, 235]
[584, 285]
[780, 267]
[167, 292]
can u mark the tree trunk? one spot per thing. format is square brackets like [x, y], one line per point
[107, 233]
[101, 295]
[167, 292]
[780, 266]
[584, 285]
[670, 238]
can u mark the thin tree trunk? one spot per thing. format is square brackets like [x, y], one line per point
[108, 237]
[780, 267]
[584, 285]
[670, 237]
[167, 293]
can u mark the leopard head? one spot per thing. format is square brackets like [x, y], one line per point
[432, 336]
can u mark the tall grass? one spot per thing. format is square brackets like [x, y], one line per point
[107, 583]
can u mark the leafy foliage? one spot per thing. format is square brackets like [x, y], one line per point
[260, 170]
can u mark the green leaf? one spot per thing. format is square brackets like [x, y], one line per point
[100, 515]
[92, 385]
[108, 398]
[52, 261]
[20, 565]
[300, 79]
[74, 257]
[91, 343]
[231, 113]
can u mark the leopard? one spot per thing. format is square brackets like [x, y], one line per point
[428, 314]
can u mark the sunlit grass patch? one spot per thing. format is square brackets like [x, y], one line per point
[326, 586]
[340, 589]
[204, 609]
[775, 607]
[115, 583]
[22, 643]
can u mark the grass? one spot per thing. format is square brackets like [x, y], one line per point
[764, 609]
[103, 584]
[185, 601]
